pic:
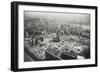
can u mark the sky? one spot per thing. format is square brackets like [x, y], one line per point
[58, 16]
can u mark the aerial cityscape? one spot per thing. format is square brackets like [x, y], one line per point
[56, 36]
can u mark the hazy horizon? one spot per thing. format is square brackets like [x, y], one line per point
[58, 17]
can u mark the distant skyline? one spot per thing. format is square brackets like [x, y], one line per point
[58, 17]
